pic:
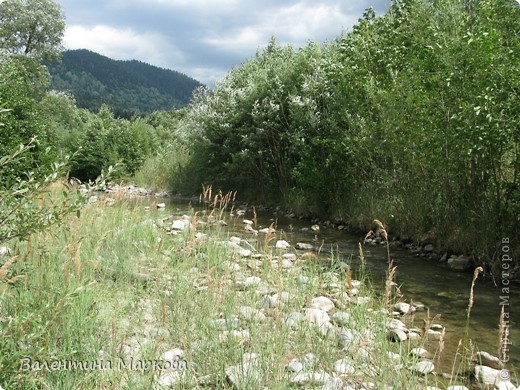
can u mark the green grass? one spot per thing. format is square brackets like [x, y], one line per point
[113, 284]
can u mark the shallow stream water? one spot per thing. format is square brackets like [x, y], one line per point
[445, 292]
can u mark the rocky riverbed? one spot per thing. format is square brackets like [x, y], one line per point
[328, 314]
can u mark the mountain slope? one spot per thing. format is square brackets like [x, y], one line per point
[127, 87]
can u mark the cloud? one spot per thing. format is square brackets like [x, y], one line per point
[123, 44]
[204, 38]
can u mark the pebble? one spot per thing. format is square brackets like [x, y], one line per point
[397, 335]
[251, 314]
[244, 375]
[322, 303]
[294, 319]
[303, 246]
[341, 318]
[344, 367]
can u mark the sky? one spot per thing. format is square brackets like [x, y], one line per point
[204, 39]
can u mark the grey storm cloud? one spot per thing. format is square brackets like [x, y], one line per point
[204, 38]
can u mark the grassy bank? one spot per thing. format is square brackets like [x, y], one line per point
[118, 291]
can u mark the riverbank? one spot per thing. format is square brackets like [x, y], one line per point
[205, 308]
[368, 232]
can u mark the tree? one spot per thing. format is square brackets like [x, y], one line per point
[32, 28]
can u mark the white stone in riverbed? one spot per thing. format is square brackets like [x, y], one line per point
[487, 375]
[414, 336]
[287, 264]
[289, 256]
[304, 246]
[181, 224]
[282, 244]
[294, 366]
[394, 323]
[319, 318]
[489, 360]
[235, 335]
[424, 367]
[395, 357]
[403, 308]
[397, 335]
[363, 354]
[243, 375]
[247, 222]
[170, 378]
[225, 323]
[344, 367]
[322, 303]
[264, 230]
[251, 314]
[341, 318]
[235, 239]
[315, 378]
[420, 352]
[294, 319]
[278, 300]
[252, 281]
[506, 385]
[334, 383]
[457, 387]
[172, 355]
[347, 337]
[434, 335]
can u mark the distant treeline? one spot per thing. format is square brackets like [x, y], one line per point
[412, 117]
[127, 87]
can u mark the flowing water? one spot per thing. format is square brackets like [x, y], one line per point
[445, 292]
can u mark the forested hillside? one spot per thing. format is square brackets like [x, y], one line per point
[127, 87]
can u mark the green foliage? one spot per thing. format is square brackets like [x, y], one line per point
[127, 87]
[33, 28]
[25, 208]
[412, 116]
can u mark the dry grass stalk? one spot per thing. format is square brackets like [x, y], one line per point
[362, 256]
[348, 279]
[369, 234]
[270, 235]
[388, 286]
[457, 355]
[77, 258]
[440, 350]
[255, 219]
[502, 328]
[478, 270]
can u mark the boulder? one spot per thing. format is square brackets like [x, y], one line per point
[428, 248]
[487, 375]
[460, 263]
[486, 359]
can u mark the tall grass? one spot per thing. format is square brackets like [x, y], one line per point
[114, 284]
